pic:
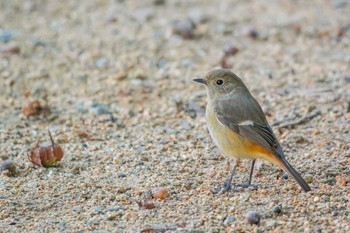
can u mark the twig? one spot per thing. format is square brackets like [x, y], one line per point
[300, 121]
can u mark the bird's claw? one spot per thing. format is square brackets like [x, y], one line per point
[247, 185]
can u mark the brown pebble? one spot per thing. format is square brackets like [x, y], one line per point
[10, 49]
[253, 217]
[161, 193]
[251, 32]
[230, 50]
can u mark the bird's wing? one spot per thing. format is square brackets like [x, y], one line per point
[244, 116]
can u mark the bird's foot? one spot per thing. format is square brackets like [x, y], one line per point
[247, 185]
[226, 187]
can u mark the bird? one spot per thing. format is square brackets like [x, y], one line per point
[238, 126]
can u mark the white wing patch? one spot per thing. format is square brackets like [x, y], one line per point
[248, 122]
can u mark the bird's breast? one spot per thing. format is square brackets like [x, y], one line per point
[229, 142]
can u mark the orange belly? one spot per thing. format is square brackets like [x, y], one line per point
[232, 144]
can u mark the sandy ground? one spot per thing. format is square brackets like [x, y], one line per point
[117, 76]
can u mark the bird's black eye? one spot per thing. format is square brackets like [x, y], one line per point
[219, 82]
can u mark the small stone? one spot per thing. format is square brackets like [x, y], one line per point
[251, 32]
[10, 49]
[158, 2]
[121, 175]
[115, 209]
[335, 213]
[111, 16]
[347, 79]
[229, 219]
[9, 167]
[161, 193]
[143, 14]
[230, 50]
[99, 109]
[185, 125]
[98, 209]
[253, 217]
[285, 176]
[309, 178]
[140, 149]
[112, 217]
[6, 36]
[328, 147]
[170, 131]
[101, 63]
[277, 210]
[184, 28]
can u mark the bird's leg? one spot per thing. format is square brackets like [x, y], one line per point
[228, 183]
[249, 184]
[251, 172]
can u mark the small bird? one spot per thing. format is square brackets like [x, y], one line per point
[239, 127]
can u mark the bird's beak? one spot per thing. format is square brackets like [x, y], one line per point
[200, 80]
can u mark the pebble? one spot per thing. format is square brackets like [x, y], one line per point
[250, 32]
[97, 209]
[170, 131]
[158, 2]
[77, 209]
[99, 109]
[115, 209]
[101, 63]
[230, 50]
[8, 166]
[285, 176]
[112, 217]
[184, 28]
[185, 125]
[229, 219]
[121, 175]
[10, 49]
[161, 193]
[6, 36]
[253, 217]
[140, 149]
[143, 14]
[277, 210]
[111, 16]
[309, 178]
[335, 213]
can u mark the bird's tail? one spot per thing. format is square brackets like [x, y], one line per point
[290, 169]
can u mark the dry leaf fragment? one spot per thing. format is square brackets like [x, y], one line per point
[146, 205]
[47, 154]
[229, 51]
[34, 108]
